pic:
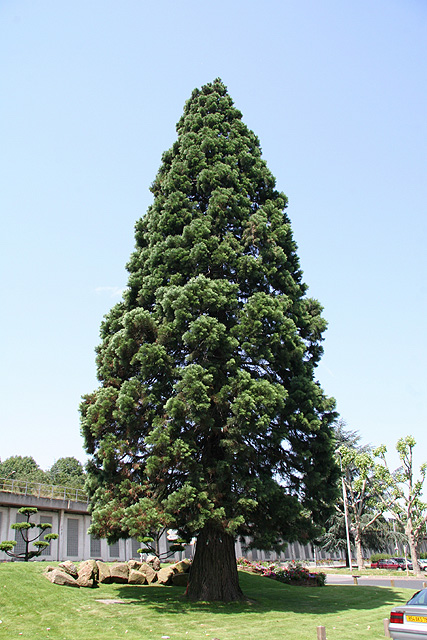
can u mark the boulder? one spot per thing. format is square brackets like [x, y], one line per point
[104, 575]
[69, 567]
[119, 572]
[154, 562]
[56, 576]
[148, 572]
[180, 579]
[87, 574]
[183, 566]
[136, 577]
[164, 576]
[134, 564]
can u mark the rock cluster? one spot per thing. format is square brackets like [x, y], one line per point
[90, 573]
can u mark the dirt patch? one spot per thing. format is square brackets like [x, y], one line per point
[109, 601]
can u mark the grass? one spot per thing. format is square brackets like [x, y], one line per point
[32, 607]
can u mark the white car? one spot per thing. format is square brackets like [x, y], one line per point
[409, 621]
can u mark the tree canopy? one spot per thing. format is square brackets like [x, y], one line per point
[67, 471]
[208, 417]
[22, 468]
[406, 493]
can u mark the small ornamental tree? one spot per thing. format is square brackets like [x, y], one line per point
[151, 544]
[208, 418]
[25, 528]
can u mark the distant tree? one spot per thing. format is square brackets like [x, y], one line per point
[344, 437]
[376, 537]
[22, 468]
[364, 488]
[208, 408]
[406, 492]
[361, 484]
[68, 472]
[24, 529]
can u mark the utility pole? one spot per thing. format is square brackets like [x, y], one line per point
[344, 497]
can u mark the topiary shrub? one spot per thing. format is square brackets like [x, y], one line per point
[24, 529]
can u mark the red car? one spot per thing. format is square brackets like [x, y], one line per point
[397, 564]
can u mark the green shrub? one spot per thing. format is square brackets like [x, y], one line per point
[379, 556]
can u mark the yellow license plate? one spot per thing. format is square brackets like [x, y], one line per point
[416, 618]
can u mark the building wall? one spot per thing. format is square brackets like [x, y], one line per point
[75, 544]
[70, 520]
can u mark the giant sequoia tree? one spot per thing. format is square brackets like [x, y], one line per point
[208, 417]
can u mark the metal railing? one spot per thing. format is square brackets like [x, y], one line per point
[41, 490]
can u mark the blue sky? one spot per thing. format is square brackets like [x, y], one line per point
[90, 95]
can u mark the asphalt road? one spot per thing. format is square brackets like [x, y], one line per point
[383, 581]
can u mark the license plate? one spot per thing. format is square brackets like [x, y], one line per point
[416, 618]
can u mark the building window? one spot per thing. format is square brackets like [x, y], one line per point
[114, 550]
[20, 543]
[135, 546]
[72, 537]
[47, 551]
[95, 547]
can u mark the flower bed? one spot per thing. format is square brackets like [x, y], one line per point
[294, 573]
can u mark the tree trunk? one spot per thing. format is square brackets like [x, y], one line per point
[412, 547]
[359, 553]
[213, 574]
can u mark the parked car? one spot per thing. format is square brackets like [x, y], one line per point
[396, 564]
[404, 563]
[409, 621]
[422, 563]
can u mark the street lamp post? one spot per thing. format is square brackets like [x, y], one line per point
[344, 497]
[8, 476]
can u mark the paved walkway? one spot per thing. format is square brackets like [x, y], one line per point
[402, 582]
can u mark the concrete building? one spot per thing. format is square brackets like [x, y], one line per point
[67, 511]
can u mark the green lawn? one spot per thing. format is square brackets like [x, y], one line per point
[30, 605]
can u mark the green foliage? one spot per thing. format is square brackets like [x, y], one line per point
[379, 556]
[67, 472]
[208, 411]
[28, 511]
[22, 468]
[151, 544]
[7, 545]
[406, 491]
[376, 536]
[24, 529]
[362, 485]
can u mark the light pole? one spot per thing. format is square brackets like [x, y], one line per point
[8, 476]
[344, 497]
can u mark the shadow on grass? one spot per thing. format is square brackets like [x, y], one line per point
[264, 596]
